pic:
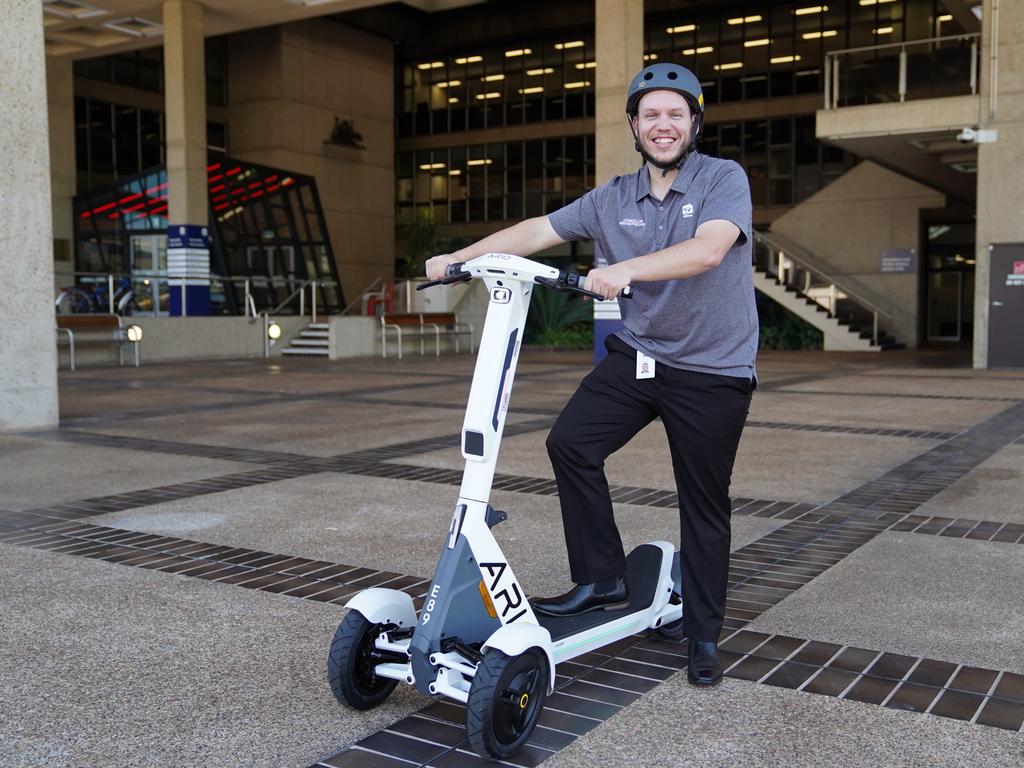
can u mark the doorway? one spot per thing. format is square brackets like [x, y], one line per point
[147, 264]
[949, 282]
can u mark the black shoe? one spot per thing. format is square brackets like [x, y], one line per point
[703, 667]
[609, 594]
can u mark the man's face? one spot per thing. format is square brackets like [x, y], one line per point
[662, 124]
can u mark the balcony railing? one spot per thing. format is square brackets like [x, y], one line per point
[898, 72]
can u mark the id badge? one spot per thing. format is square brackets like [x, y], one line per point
[644, 366]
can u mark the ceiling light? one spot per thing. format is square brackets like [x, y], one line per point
[784, 59]
[882, 31]
[454, 172]
[568, 45]
[518, 52]
[70, 9]
[533, 89]
[540, 71]
[684, 28]
[698, 51]
[469, 59]
[431, 166]
[744, 19]
[135, 27]
[875, 2]
[586, 65]
[480, 162]
[650, 57]
[453, 99]
[448, 84]
[577, 84]
[732, 65]
[492, 78]
[430, 65]
[810, 9]
[816, 35]
[756, 43]
[945, 17]
[489, 95]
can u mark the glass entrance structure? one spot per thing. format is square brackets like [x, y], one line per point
[267, 231]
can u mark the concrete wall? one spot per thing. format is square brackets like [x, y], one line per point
[28, 384]
[167, 339]
[850, 222]
[287, 84]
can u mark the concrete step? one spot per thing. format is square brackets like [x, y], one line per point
[309, 343]
[305, 352]
[308, 334]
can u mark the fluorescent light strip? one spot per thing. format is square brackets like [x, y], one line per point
[469, 59]
[698, 51]
[650, 57]
[492, 78]
[448, 84]
[733, 65]
[518, 52]
[533, 89]
[784, 59]
[744, 20]
[577, 84]
[945, 17]
[756, 43]
[489, 95]
[432, 166]
[883, 31]
[587, 65]
[568, 45]
[683, 28]
[430, 65]
[810, 9]
[817, 35]
[480, 162]
[541, 71]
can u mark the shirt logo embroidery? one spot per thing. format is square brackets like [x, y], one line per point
[688, 211]
[632, 223]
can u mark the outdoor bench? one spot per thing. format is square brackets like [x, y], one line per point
[422, 325]
[96, 328]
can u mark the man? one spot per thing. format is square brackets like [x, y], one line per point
[679, 233]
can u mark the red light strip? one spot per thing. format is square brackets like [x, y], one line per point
[218, 188]
[255, 184]
[103, 208]
[234, 170]
[273, 188]
[128, 199]
[213, 167]
[218, 177]
[136, 207]
[157, 188]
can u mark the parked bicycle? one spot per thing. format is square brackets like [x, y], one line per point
[78, 299]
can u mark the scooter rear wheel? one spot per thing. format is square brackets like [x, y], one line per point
[350, 666]
[505, 701]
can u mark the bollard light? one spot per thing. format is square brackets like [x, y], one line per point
[134, 333]
[274, 331]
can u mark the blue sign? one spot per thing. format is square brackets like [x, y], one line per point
[188, 236]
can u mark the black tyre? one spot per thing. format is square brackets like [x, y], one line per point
[672, 631]
[505, 701]
[350, 664]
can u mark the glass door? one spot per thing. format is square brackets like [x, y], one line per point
[945, 308]
[147, 255]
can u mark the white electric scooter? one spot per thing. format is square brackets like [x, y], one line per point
[477, 640]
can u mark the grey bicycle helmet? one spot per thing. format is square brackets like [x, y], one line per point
[667, 77]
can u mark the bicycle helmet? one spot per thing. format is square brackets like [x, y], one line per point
[667, 77]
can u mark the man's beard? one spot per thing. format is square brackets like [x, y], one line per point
[664, 165]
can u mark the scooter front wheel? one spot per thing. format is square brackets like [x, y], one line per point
[505, 701]
[350, 664]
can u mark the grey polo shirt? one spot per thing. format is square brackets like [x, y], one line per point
[705, 323]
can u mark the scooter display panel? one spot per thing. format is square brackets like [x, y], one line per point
[643, 567]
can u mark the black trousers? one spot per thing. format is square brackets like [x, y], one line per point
[703, 416]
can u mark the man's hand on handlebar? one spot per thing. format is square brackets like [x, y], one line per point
[608, 281]
[437, 265]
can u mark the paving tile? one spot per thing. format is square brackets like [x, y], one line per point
[957, 705]
[831, 682]
[790, 675]
[430, 730]
[853, 659]
[913, 698]
[973, 680]
[752, 668]
[402, 747]
[357, 758]
[931, 672]
[871, 690]
[1011, 687]
[892, 665]
[999, 713]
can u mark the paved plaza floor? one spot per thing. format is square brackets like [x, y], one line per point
[175, 557]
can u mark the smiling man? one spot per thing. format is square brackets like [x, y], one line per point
[678, 232]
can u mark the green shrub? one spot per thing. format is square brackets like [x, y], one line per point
[781, 329]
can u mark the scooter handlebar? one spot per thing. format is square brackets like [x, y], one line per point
[573, 281]
[453, 274]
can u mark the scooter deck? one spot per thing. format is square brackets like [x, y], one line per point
[643, 567]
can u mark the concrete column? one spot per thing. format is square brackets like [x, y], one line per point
[1002, 109]
[61, 103]
[28, 352]
[188, 255]
[619, 42]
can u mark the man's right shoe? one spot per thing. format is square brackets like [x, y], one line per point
[703, 667]
[609, 595]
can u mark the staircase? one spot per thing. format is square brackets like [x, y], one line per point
[802, 284]
[312, 341]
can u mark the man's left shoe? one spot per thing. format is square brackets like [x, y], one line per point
[703, 668]
[609, 595]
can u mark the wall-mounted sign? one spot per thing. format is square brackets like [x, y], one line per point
[1016, 278]
[899, 261]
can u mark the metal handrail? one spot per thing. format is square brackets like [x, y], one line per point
[362, 293]
[808, 261]
[301, 292]
[832, 63]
